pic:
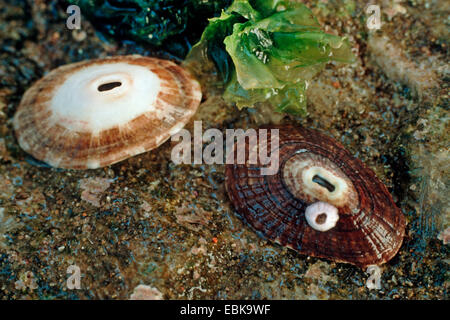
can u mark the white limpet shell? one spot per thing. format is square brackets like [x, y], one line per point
[321, 216]
[95, 113]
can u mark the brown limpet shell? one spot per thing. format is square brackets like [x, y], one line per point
[95, 113]
[316, 169]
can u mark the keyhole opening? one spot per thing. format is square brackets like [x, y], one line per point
[324, 183]
[109, 86]
[321, 218]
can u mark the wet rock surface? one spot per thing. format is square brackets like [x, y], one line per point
[146, 221]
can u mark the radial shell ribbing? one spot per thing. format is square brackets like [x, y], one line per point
[370, 228]
[95, 113]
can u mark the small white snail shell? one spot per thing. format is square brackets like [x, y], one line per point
[321, 216]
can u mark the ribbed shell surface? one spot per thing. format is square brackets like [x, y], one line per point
[369, 234]
[59, 146]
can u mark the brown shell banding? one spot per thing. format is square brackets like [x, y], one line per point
[50, 141]
[370, 234]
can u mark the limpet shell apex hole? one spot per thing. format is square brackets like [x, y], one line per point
[109, 86]
[321, 218]
[324, 183]
[113, 84]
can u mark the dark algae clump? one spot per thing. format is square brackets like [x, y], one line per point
[173, 25]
